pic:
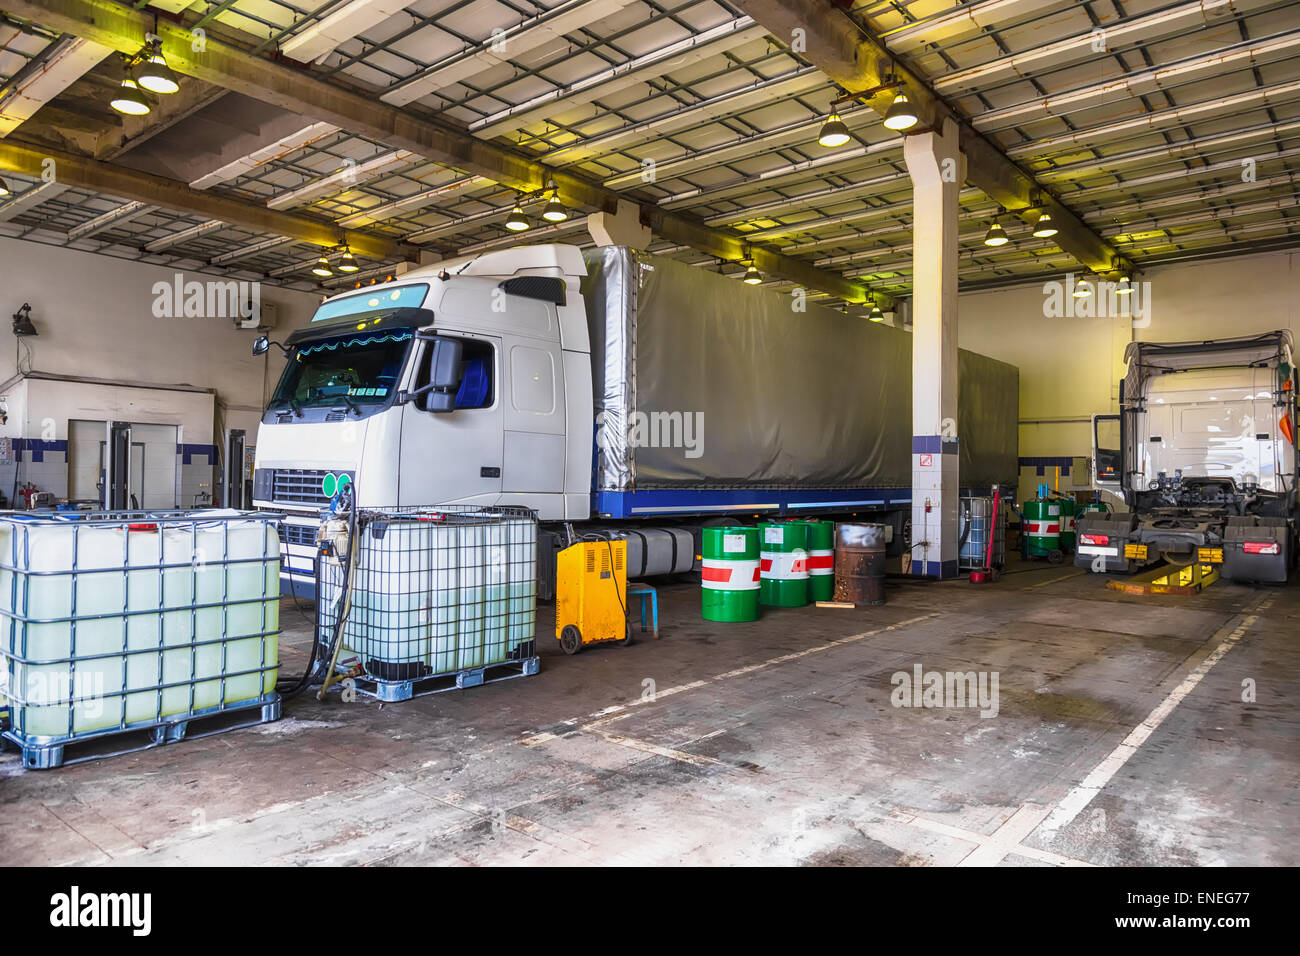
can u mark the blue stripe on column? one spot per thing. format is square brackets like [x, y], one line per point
[39, 446]
[1043, 463]
[941, 569]
[187, 452]
[933, 445]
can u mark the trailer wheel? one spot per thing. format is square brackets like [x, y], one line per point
[1055, 556]
[570, 639]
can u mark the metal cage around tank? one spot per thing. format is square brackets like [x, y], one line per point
[152, 624]
[439, 597]
[975, 519]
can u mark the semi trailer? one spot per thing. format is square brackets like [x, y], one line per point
[608, 389]
[1202, 453]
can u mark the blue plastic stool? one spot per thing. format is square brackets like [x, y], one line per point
[648, 595]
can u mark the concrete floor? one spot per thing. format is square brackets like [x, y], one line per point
[770, 743]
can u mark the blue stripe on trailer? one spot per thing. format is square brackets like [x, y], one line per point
[628, 504]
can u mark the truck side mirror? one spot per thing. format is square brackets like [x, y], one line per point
[445, 371]
[261, 345]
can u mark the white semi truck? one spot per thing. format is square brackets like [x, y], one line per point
[1203, 455]
[610, 389]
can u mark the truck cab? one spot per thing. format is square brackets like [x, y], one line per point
[1202, 453]
[467, 382]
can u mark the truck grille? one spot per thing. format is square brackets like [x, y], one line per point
[297, 534]
[301, 485]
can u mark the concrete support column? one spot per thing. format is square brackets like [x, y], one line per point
[620, 229]
[937, 168]
[427, 257]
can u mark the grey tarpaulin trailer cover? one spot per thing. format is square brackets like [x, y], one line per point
[787, 399]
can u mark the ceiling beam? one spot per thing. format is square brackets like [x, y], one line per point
[858, 61]
[137, 130]
[224, 64]
[82, 172]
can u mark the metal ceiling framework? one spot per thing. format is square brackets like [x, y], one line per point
[213, 61]
[1143, 142]
[79, 172]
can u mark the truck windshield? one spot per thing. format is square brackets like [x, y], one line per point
[357, 369]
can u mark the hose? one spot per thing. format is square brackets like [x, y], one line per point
[344, 605]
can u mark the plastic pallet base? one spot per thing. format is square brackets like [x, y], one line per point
[390, 692]
[60, 753]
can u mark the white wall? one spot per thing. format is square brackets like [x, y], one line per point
[95, 318]
[1070, 367]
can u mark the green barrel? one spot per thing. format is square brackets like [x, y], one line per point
[821, 560]
[729, 574]
[1068, 508]
[784, 556]
[1042, 528]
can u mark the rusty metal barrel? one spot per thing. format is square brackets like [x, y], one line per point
[860, 563]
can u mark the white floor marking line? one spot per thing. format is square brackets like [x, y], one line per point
[991, 849]
[1079, 797]
[1006, 838]
[644, 746]
[616, 711]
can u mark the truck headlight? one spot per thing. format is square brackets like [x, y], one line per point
[263, 480]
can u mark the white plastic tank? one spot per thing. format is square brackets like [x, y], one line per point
[448, 590]
[124, 621]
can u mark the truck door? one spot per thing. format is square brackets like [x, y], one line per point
[535, 422]
[1107, 453]
[455, 456]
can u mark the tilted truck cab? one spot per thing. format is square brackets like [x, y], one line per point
[1203, 454]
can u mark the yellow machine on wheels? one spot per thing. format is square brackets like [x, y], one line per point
[591, 595]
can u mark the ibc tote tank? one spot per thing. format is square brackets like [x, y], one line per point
[436, 591]
[111, 620]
